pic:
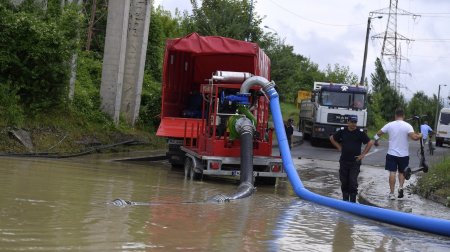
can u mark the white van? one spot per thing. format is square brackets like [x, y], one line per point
[443, 127]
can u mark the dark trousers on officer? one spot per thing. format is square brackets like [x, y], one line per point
[348, 174]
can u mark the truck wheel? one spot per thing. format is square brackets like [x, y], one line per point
[187, 167]
[314, 141]
[439, 142]
[306, 136]
[189, 171]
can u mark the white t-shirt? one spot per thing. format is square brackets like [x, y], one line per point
[398, 137]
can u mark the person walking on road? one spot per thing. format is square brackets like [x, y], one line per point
[425, 130]
[397, 157]
[348, 140]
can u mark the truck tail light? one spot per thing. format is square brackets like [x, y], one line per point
[276, 168]
[214, 165]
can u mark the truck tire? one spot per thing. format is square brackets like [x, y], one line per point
[439, 142]
[314, 141]
[189, 171]
[306, 136]
[175, 156]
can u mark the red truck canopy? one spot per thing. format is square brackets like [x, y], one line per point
[199, 45]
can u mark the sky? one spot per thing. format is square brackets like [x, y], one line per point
[330, 32]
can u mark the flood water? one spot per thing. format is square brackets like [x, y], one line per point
[58, 205]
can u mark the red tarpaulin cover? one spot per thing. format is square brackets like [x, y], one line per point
[212, 45]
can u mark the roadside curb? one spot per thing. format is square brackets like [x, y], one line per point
[375, 189]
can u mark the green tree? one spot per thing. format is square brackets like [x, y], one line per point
[379, 78]
[340, 74]
[35, 48]
[284, 64]
[384, 96]
[98, 19]
[291, 72]
[229, 18]
[155, 45]
[422, 105]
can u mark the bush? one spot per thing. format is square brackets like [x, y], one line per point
[436, 181]
[10, 110]
[150, 111]
[35, 52]
[86, 101]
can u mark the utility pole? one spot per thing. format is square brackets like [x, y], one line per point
[249, 37]
[437, 106]
[365, 50]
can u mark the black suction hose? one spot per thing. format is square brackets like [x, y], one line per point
[245, 128]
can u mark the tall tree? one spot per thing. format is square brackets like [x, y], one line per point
[155, 44]
[384, 94]
[421, 104]
[229, 18]
[379, 78]
[340, 74]
[96, 12]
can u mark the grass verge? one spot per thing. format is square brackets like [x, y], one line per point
[65, 131]
[435, 184]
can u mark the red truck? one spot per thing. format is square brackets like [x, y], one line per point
[200, 74]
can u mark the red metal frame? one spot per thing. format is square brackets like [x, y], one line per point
[210, 144]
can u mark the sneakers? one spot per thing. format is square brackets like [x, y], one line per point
[391, 196]
[400, 193]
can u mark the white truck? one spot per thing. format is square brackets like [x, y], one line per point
[443, 128]
[329, 108]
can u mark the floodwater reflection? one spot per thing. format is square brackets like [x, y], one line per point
[54, 205]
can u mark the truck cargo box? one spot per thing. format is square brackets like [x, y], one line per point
[189, 62]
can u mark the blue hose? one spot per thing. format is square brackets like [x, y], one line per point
[417, 222]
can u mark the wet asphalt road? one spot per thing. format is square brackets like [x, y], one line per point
[325, 151]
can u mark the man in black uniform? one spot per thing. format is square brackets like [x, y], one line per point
[348, 140]
[289, 127]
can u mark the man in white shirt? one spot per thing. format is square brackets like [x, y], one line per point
[397, 157]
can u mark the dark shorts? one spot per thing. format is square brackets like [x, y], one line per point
[394, 163]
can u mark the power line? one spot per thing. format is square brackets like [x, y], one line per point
[429, 56]
[313, 21]
[432, 40]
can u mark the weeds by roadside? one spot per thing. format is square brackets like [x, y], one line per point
[435, 184]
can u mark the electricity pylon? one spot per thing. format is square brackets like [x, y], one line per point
[391, 49]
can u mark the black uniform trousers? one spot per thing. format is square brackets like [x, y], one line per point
[348, 174]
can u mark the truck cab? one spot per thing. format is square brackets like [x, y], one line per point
[329, 108]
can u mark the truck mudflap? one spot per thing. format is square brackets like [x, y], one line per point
[215, 165]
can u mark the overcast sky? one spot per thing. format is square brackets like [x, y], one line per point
[330, 32]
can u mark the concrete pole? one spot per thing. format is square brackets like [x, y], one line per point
[437, 106]
[138, 28]
[363, 74]
[114, 57]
